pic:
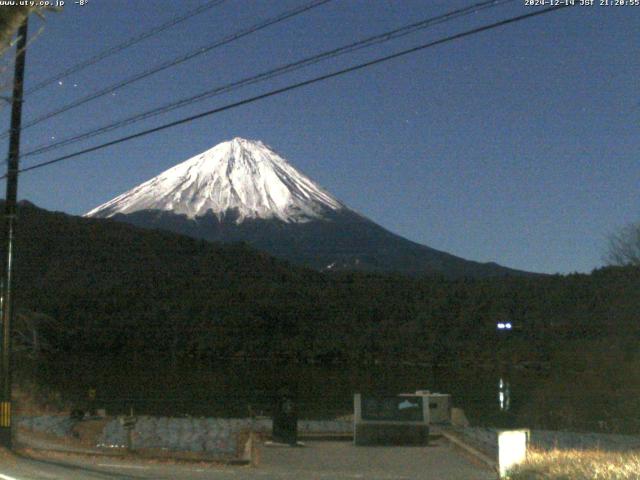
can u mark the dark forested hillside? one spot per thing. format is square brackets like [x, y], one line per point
[110, 287]
[92, 294]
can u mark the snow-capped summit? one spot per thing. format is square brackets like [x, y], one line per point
[243, 176]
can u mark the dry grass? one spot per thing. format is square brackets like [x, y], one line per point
[578, 465]
[31, 399]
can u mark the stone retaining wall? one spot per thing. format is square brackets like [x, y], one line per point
[203, 434]
[210, 435]
[57, 425]
[180, 434]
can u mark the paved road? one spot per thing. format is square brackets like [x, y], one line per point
[342, 460]
[318, 460]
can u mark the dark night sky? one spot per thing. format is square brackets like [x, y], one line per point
[519, 145]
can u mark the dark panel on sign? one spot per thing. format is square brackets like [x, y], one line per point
[395, 409]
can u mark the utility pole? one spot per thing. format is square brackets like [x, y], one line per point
[6, 297]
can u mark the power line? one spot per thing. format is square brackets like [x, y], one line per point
[294, 87]
[124, 45]
[177, 61]
[281, 70]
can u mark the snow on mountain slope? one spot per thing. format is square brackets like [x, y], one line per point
[240, 175]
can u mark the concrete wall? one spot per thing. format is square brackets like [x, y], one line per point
[487, 439]
[548, 440]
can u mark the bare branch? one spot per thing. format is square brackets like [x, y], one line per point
[624, 246]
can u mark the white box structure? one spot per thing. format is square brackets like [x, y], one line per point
[439, 405]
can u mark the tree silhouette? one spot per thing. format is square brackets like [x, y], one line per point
[624, 246]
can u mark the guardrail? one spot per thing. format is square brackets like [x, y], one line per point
[487, 439]
[502, 449]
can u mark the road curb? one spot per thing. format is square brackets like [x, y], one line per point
[140, 456]
[458, 442]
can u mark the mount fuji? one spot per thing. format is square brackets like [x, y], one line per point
[242, 190]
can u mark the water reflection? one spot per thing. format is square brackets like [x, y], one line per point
[504, 395]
